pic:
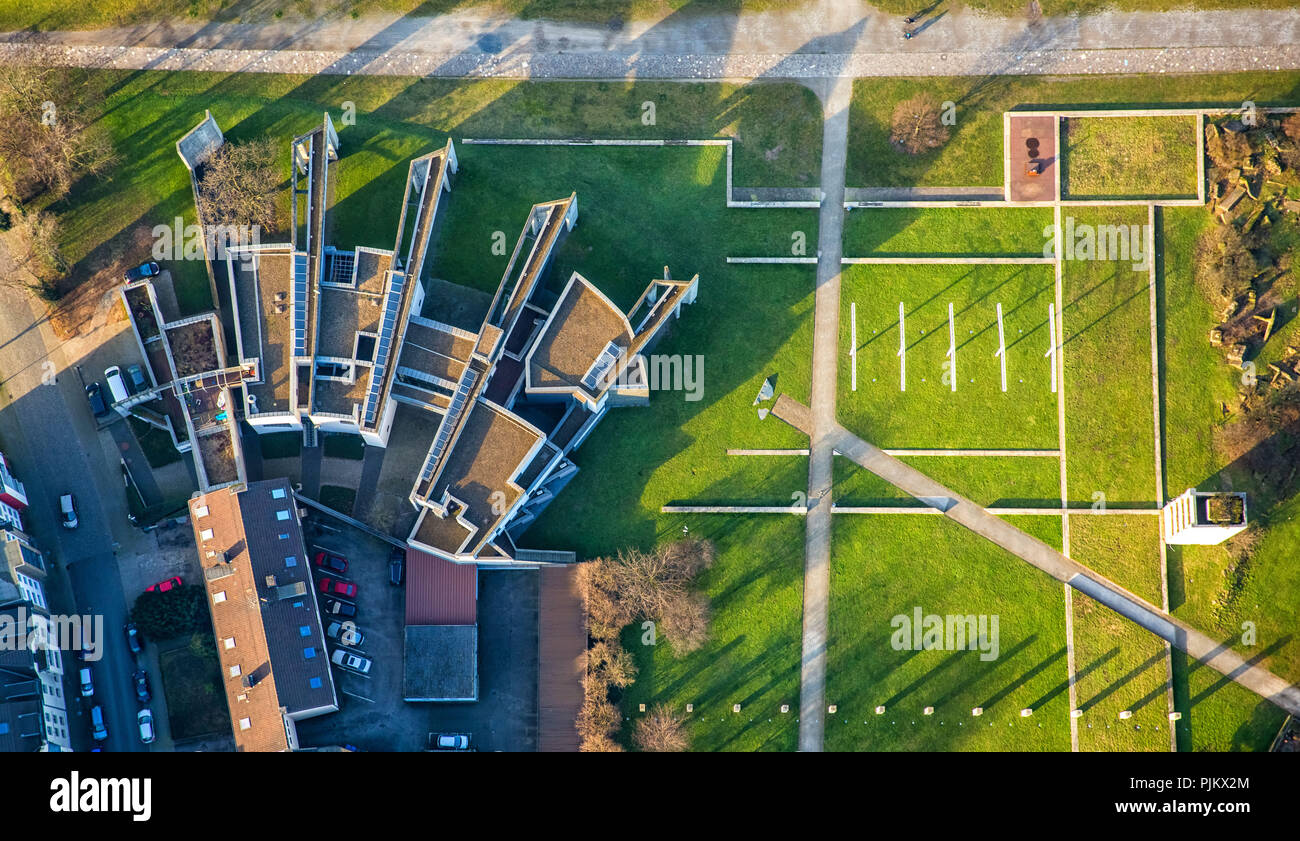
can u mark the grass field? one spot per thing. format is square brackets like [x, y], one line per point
[191, 678]
[928, 413]
[1004, 232]
[1119, 666]
[1127, 157]
[1109, 425]
[884, 566]
[973, 155]
[399, 118]
[1021, 482]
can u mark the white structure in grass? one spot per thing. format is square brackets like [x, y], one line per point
[1002, 348]
[902, 350]
[1051, 341]
[853, 345]
[1186, 519]
[952, 349]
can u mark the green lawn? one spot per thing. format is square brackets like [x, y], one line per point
[191, 679]
[343, 445]
[338, 498]
[929, 414]
[1118, 665]
[157, 445]
[280, 444]
[1128, 157]
[885, 566]
[398, 118]
[1109, 427]
[1007, 232]
[973, 155]
[752, 657]
[1020, 481]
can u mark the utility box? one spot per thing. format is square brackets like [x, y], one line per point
[1203, 519]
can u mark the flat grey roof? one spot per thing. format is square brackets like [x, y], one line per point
[440, 663]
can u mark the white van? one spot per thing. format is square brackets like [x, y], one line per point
[87, 685]
[116, 385]
[68, 509]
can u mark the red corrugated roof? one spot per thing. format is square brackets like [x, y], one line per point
[439, 592]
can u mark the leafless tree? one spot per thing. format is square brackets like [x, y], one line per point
[1224, 265]
[598, 717]
[50, 140]
[916, 126]
[685, 622]
[35, 236]
[611, 664]
[661, 731]
[238, 185]
[1227, 149]
[599, 744]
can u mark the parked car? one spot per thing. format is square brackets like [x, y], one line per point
[330, 562]
[165, 585]
[141, 680]
[116, 385]
[135, 378]
[97, 728]
[95, 395]
[68, 510]
[145, 719]
[337, 587]
[346, 633]
[133, 638]
[338, 607]
[449, 741]
[87, 685]
[348, 660]
[397, 566]
[142, 271]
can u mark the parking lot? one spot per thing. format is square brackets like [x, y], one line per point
[372, 715]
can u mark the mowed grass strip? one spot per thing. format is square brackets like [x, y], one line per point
[752, 658]
[928, 413]
[1128, 157]
[983, 231]
[1017, 481]
[1118, 665]
[1109, 426]
[888, 565]
[972, 157]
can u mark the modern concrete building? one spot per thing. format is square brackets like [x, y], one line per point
[1205, 519]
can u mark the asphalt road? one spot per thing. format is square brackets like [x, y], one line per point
[50, 435]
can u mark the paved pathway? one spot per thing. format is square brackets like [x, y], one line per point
[817, 40]
[1218, 656]
[826, 328]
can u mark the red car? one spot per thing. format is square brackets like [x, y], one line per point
[164, 586]
[335, 587]
[330, 562]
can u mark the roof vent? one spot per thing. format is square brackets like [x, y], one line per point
[270, 580]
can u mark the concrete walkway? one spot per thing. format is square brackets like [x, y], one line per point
[821, 39]
[826, 330]
[1218, 656]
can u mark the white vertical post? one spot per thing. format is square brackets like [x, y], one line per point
[952, 348]
[1002, 348]
[853, 344]
[902, 350]
[1051, 341]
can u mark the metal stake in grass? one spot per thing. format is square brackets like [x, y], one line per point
[902, 351]
[853, 344]
[1002, 348]
[1051, 341]
[952, 347]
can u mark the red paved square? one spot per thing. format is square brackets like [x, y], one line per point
[1031, 156]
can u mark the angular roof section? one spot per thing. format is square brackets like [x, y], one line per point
[200, 142]
[274, 660]
[441, 663]
[580, 344]
[440, 592]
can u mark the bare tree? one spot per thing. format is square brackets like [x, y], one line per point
[1227, 149]
[1224, 264]
[599, 744]
[916, 126]
[611, 664]
[661, 731]
[35, 235]
[49, 140]
[598, 717]
[238, 185]
[686, 622]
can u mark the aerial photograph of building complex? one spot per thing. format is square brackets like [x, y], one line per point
[511, 376]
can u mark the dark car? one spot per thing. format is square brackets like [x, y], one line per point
[135, 377]
[133, 638]
[331, 562]
[397, 566]
[336, 587]
[338, 607]
[141, 680]
[95, 395]
[142, 271]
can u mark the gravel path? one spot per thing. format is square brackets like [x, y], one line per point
[826, 38]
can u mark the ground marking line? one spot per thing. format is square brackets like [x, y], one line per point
[1058, 362]
[1051, 341]
[952, 347]
[853, 343]
[902, 350]
[1002, 348]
